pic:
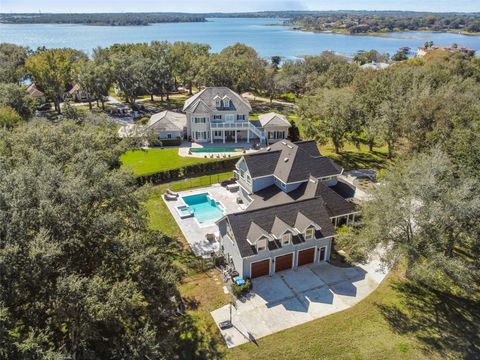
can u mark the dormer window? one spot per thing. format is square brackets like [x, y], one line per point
[226, 102]
[309, 233]
[218, 102]
[261, 244]
[286, 238]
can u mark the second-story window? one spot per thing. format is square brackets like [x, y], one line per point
[261, 244]
[217, 117]
[286, 238]
[226, 103]
[240, 117]
[200, 120]
[309, 233]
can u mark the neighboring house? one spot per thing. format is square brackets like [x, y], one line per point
[375, 66]
[423, 50]
[167, 125]
[77, 94]
[38, 95]
[275, 126]
[292, 210]
[164, 125]
[219, 114]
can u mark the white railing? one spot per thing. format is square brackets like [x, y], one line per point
[238, 125]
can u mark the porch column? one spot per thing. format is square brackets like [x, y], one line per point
[348, 219]
[353, 219]
[211, 136]
[248, 136]
[223, 136]
[236, 136]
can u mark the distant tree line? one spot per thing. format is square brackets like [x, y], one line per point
[372, 22]
[106, 19]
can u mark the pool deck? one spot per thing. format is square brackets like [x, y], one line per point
[185, 147]
[194, 232]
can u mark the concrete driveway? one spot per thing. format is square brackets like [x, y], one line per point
[293, 297]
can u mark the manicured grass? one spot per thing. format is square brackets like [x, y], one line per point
[353, 157]
[397, 321]
[149, 161]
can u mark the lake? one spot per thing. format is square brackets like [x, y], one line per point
[221, 32]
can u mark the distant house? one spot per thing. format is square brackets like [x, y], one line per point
[218, 114]
[293, 208]
[163, 125]
[77, 94]
[423, 50]
[167, 125]
[375, 66]
[38, 95]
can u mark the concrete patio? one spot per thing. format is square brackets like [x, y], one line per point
[183, 150]
[293, 297]
[194, 232]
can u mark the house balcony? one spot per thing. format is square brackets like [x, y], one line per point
[234, 125]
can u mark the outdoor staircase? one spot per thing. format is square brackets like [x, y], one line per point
[256, 131]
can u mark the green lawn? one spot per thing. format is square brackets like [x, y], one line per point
[149, 161]
[352, 157]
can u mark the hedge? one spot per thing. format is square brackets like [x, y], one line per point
[189, 171]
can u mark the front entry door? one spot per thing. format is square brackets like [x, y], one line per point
[322, 253]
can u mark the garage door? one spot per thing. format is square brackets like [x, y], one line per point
[306, 256]
[260, 268]
[283, 262]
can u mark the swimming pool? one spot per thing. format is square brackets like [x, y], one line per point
[204, 207]
[214, 150]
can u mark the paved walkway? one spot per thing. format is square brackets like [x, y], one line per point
[293, 297]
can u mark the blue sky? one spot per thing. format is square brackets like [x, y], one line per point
[233, 5]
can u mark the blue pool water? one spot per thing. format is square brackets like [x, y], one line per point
[204, 207]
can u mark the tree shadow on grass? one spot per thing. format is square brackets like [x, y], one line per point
[350, 160]
[442, 322]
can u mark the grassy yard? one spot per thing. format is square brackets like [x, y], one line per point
[149, 161]
[353, 157]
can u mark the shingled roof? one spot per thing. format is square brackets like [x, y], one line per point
[167, 121]
[335, 204]
[313, 210]
[207, 97]
[291, 162]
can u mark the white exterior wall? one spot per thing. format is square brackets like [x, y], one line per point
[230, 248]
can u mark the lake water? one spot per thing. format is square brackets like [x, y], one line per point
[222, 32]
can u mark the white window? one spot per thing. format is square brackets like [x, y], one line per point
[261, 244]
[309, 233]
[249, 180]
[217, 117]
[200, 120]
[217, 133]
[240, 117]
[201, 135]
[286, 238]
[218, 102]
[230, 118]
[226, 102]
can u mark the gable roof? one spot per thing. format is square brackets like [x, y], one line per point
[291, 162]
[33, 91]
[208, 95]
[266, 218]
[167, 121]
[273, 119]
[256, 232]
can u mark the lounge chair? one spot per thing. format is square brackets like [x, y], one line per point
[173, 193]
[169, 197]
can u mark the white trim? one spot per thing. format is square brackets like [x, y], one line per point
[320, 252]
[314, 254]
[269, 266]
[275, 260]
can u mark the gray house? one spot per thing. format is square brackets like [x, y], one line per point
[292, 210]
[275, 126]
[167, 125]
[218, 114]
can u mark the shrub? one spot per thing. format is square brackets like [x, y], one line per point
[239, 290]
